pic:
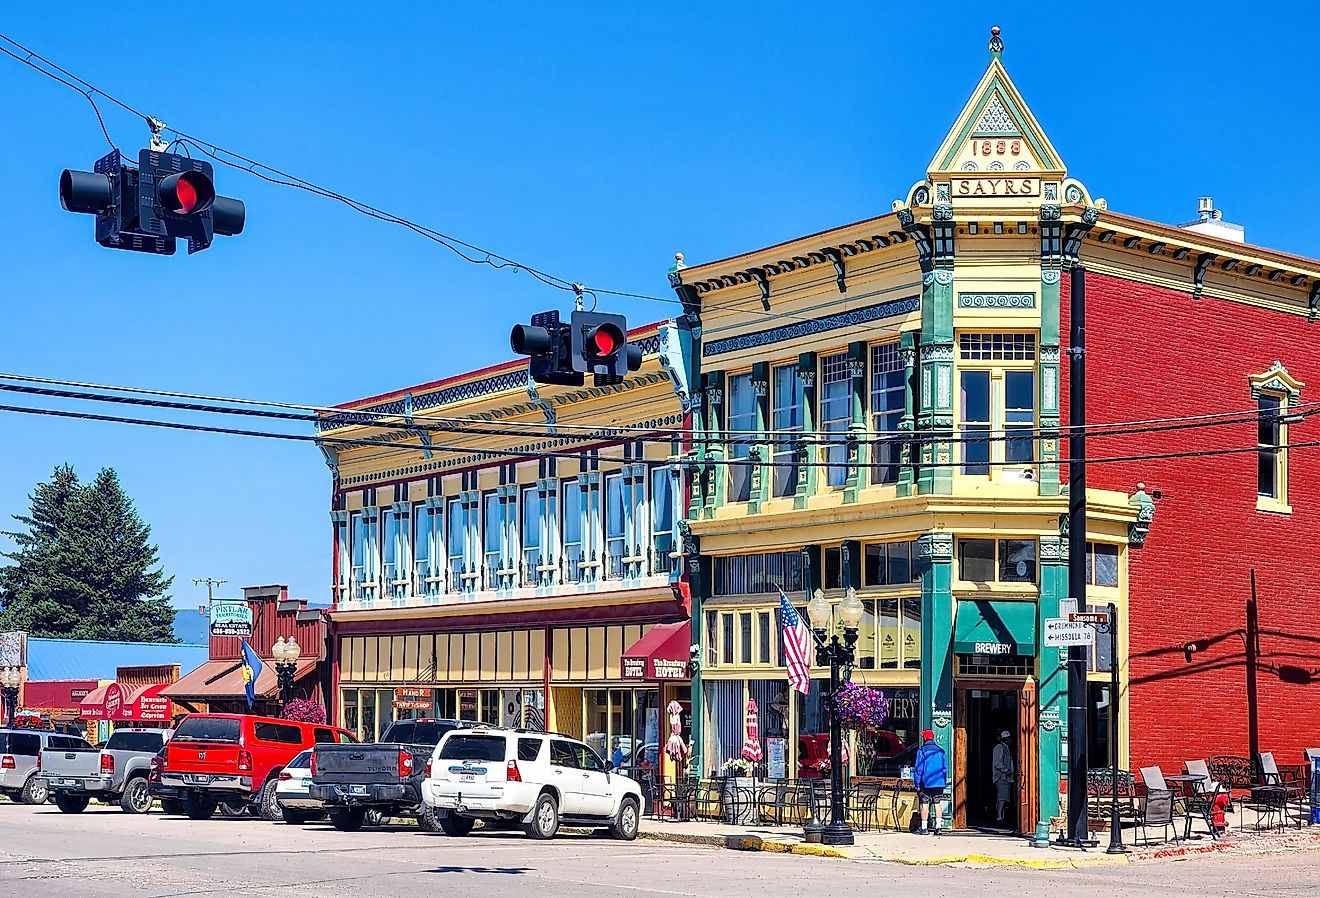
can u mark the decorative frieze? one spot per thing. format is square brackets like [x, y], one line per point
[996, 300]
[800, 329]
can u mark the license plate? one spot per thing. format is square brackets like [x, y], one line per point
[307, 782]
[66, 782]
[357, 790]
[198, 779]
[467, 777]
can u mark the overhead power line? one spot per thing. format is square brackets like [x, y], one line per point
[465, 250]
[473, 427]
[525, 454]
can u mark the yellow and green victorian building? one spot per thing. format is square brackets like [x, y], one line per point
[875, 414]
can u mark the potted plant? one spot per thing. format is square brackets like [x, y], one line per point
[738, 797]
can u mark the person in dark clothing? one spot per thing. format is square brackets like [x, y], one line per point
[931, 774]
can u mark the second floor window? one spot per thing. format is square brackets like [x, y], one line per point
[532, 533]
[1002, 560]
[615, 547]
[366, 553]
[460, 558]
[427, 550]
[492, 522]
[786, 421]
[996, 401]
[662, 519]
[835, 414]
[887, 401]
[741, 423]
[394, 558]
[571, 513]
[1269, 447]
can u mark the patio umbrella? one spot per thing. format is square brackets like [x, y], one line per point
[751, 749]
[676, 748]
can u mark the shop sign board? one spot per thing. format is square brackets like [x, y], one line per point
[231, 619]
[1089, 617]
[411, 704]
[634, 668]
[776, 757]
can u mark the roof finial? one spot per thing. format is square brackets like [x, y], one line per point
[996, 43]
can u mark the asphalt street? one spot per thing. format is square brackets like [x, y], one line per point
[104, 852]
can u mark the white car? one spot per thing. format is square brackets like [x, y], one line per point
[542, 781]
[291, 791]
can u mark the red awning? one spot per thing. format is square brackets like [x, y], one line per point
[224, 680]
[136, 703]
[663, 653]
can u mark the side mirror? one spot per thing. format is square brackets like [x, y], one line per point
[609, 766]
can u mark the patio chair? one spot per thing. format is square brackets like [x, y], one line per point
[1153, 777]
[708, 798]
[864, 805]
[1158, 811]
[1202, 804]
[1232, 771]
[1100, 787]
[770, 795]
[1285, 788]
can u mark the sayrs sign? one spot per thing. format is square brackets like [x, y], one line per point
[231, 619]
[1001, 186]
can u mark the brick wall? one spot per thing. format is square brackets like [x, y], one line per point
[1153, 353]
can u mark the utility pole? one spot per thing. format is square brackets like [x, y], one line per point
[211, 584]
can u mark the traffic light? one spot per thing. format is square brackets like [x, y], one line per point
[177, 198]
[145, 209]
[546, 340]
[600, 346]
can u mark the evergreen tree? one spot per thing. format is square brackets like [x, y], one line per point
[30, 596]
[86, 568]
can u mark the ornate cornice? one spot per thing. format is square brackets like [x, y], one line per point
[809, 328]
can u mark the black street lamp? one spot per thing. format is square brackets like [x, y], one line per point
[837, 654]
[286, 665]
[11, 680]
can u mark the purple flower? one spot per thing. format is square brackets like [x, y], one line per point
[860, 707]
[304, 711]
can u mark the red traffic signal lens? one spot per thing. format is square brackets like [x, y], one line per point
[186, 193]
[607, 339]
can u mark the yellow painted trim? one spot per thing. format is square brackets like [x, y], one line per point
[508, 606]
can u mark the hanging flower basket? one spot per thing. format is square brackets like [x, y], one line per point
[860, 708]
[304, 711]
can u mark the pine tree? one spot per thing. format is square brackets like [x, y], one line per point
[30, 595]
[86, 568]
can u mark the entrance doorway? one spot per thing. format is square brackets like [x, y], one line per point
[983, 711]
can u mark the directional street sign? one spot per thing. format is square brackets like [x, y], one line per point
[1061, 632]
[1089, 617]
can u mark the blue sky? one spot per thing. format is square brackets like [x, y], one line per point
[592, 140]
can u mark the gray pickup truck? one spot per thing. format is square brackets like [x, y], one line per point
[114, 774]
[380, 780]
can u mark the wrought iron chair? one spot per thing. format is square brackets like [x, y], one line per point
[1100, 788]
[863, 803]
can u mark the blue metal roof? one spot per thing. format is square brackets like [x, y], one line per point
[86, 659]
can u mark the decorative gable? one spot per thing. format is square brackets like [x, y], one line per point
[1275, 380]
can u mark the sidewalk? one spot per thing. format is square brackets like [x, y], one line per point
[965, 848]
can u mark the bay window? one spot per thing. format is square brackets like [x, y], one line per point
[996, 396]
[662, 519]
[428, 543]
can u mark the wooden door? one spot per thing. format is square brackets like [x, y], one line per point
[958, 771]
[1028, 782]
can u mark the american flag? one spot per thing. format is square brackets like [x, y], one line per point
[797, 645]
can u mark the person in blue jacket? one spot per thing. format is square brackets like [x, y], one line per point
[931, 774]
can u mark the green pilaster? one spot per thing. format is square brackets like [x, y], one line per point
[908, 457]
[699, 581]
[808, 450]
[935, 420]
[716, 480]
[1048, 386]
[762, 475]
[935, 551]
[858, 450]
[1052, 694]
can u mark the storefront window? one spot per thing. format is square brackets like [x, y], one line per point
[885, 751]
[623, 726]
[350, 697]
[1005, 560]
[890, 564]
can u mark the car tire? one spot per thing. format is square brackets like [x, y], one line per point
[34, 791]
[296, 818]
[171, 806]
[545, 818]
[428, 821]
[348, 820]
[71, 804]
[268, 807]
[626, 821]
[455, 825]
[198, 808]
[136, 799]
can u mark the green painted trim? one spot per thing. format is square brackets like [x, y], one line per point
[906, 473]
[858, 450]
[999, 623]
[1052, 689]
[935, 554]
[762, 476]
[808, 475]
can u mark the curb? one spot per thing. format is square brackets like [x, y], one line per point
[992, 861]
[749, 843]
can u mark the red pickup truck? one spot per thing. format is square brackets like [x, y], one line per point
[235, 760]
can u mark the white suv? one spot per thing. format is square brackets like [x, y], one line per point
[539, 780]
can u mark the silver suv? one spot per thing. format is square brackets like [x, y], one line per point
[20, 752]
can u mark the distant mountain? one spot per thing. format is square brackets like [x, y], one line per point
[191, 627]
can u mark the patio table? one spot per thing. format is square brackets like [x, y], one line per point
[1182, 784]
[1272, 803]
